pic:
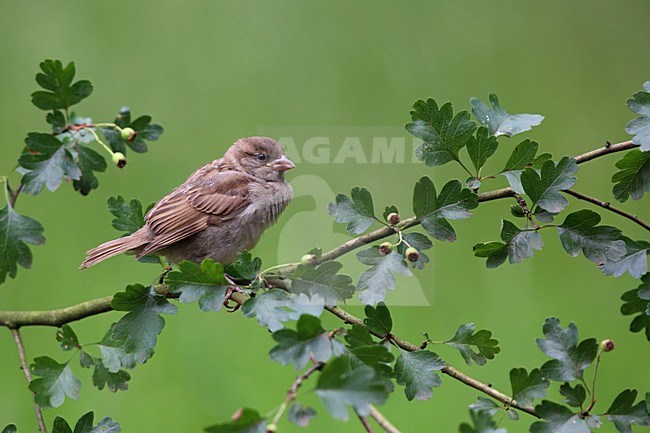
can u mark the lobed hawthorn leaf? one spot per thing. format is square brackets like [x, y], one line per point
[558, 419]
[245, 267]
[67, 337]
[11, 428]
[490, 407]
[482, 422]
[274, 307]
[47, 162]
[544, 188]
[635, 261]
[573, 396]
[517, 246]
[417, 371]
[102, 377]
[106, 425]
[144, 131]
[633, 178]
[358, 335]
[522, 156]
[418, 241]
[640, 127]
[55, 381]
[375, 356]
[433, 210]
[465, 339]
[570, 359]
[623, 412]
[113, 354]
[378, 319]
[16, 231]
[205, 282]
[344, 383]
[129, 217]
[499, 121]
[443, 134]
[301, 415]
[638, 301]
[138, 330]
[89, 162]
[245, 420]
[357, 210]
[580, 232]
[297, 347]
[374, 282]
[60, 92]
[481, 147]
[527, 387]
[322, 281]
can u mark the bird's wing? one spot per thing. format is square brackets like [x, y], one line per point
[194, 206]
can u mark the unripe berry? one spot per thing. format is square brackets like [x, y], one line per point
[119, 159]
[412, 254]
[128, 134]
[308, 259]
[607, 345]
[393, 218]
[385, 248]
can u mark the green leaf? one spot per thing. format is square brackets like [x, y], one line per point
[296, 347]
[478, 346]
[138, 330]
[522, 156]
[481, 147]
[444, 134]
[322, 281]
[544, 189]
[519, 245]
[433, 211]
[300, 415]
[570, 359]
[417, 371]
[60, 425]
[374, 282]
[418, 241]
[106, 425]
[574, 396]
[557, 419]
[68, 339]
[358, 211]
[633, 178]
[55, 381]
[486, 405]
[47, 162]
[378, 319]
[102, 377]
[11, 428]
[342, 384]
[274, 307]
[482, 422]
[375, 356]
[144, 131]
[59, 91]
[113, 354]
[85, 423]
[16, 231]
[527, 387]
[389, 210]
[637, 301]
[245, 267]
[129, 217]
[580, 232]
[499, 121]
[89, 162]
[623, 412]
[635, 261]
[245, 420]
[205, 282]
[358, 335]
[640, 127]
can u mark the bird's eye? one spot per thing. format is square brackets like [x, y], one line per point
[261, 156]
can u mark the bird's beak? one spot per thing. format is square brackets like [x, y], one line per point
[283, 164]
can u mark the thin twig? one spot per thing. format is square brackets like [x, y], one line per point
[25, 367]
[605, 150]
[293, 392]
[608, 206]
[364, 422]
[382, 421]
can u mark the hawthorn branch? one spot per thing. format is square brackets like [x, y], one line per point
[605, 150]
[25, 367]
[364, 422]
[381, 420]
[292, 393]
[608, 206]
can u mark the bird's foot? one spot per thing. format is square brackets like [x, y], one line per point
[161, 279]
[237, 303]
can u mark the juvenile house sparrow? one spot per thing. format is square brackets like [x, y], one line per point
[221, 209]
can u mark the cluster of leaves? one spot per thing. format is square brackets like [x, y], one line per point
[61, 154]
[85, 424]
[570, 359]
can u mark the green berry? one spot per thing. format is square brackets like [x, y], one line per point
[308, 259]
[412, 254]
[119, 159]
[128, 134]
[607, 345]
[385, 248]
[393, 218]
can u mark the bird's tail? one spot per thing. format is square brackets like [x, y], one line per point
[112, 248]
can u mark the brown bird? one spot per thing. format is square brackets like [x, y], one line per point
[221, 209]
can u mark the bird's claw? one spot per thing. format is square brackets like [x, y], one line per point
[228, 298]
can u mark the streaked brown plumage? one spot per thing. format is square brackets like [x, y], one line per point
[221, 210]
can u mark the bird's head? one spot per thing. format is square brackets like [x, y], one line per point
[261, 157]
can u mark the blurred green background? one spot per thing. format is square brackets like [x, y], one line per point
[213, 71]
